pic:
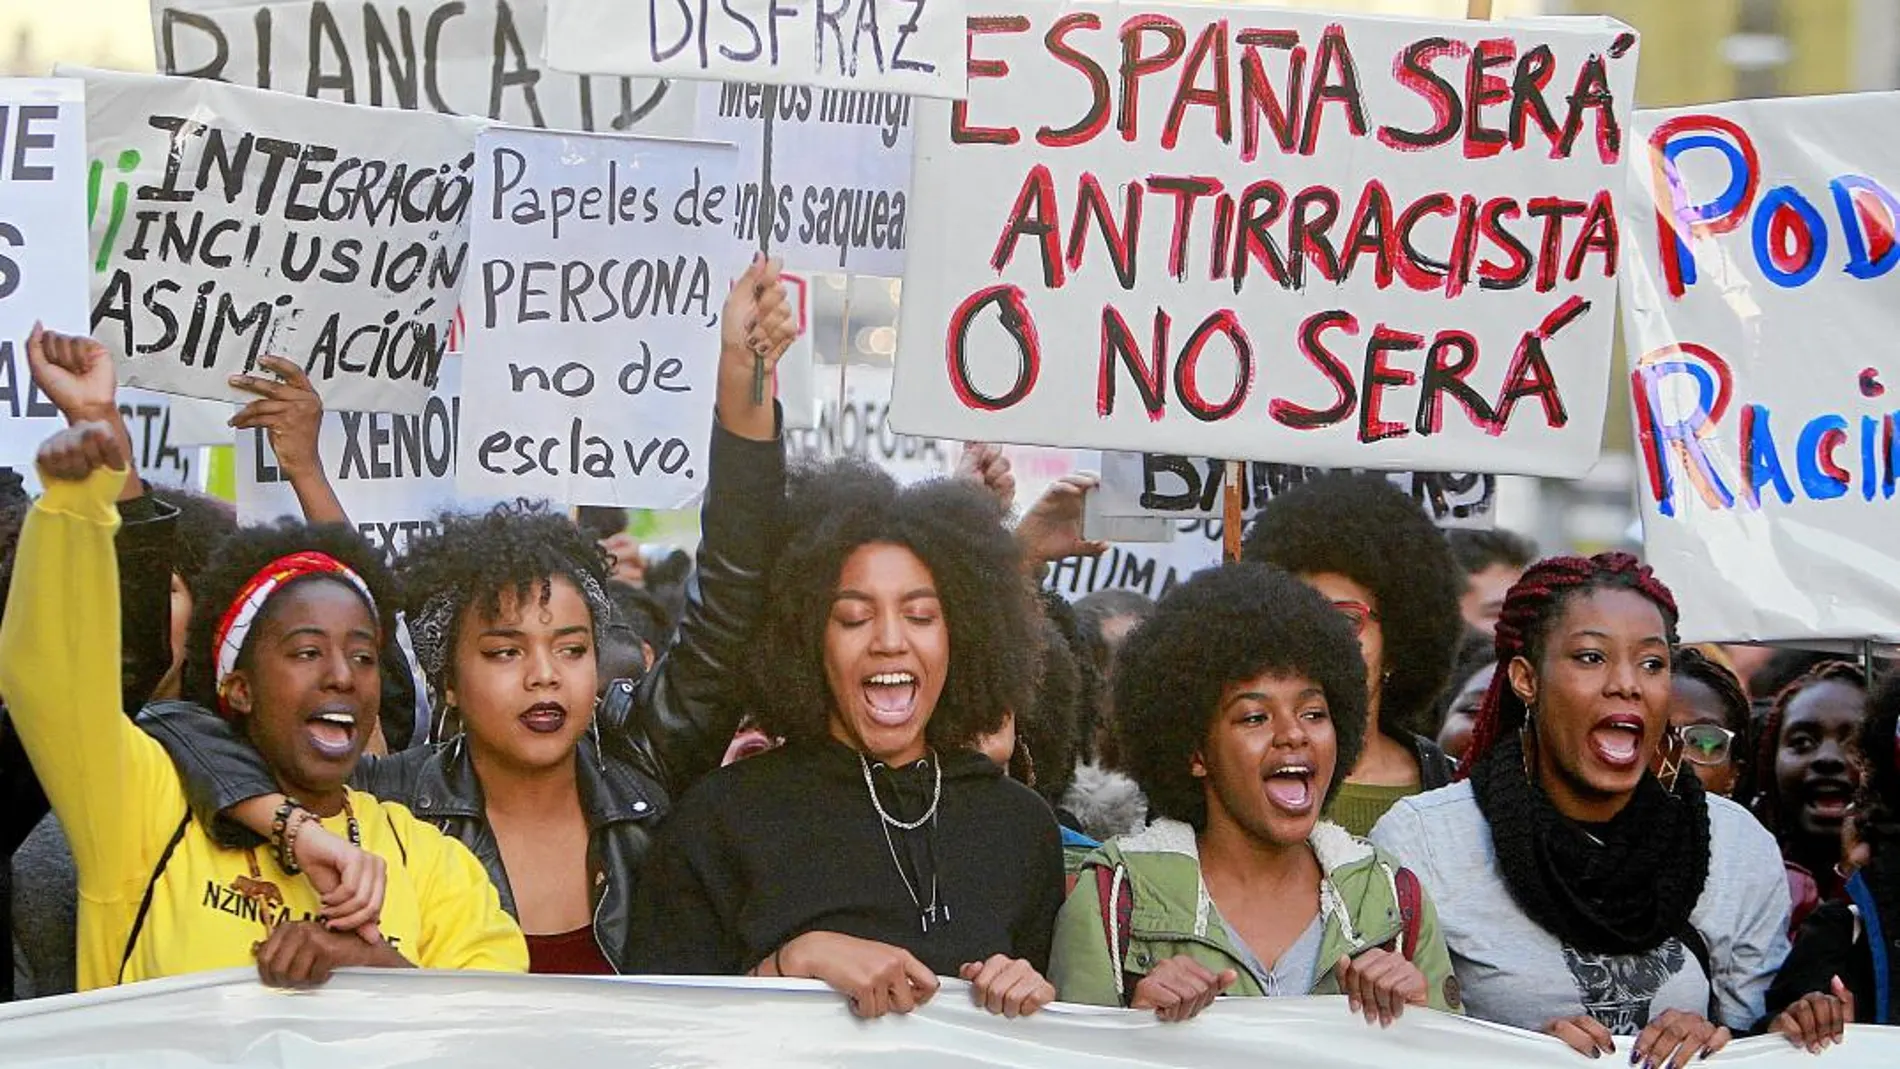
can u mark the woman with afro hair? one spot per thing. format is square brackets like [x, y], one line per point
[1580, 897]
[1844, 964]
[1368, 548]
[284, 640]
[1242, 706]
[877, 849]
[558, 794]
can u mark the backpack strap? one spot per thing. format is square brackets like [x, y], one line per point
[151, 889]
[1867, 913]
[1411, 899]
[1118, 912]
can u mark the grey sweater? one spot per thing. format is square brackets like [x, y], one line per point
[1513, 972]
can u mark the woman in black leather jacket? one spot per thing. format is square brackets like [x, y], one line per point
[505, 609]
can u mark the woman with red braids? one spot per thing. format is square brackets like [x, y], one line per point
[1580, 897]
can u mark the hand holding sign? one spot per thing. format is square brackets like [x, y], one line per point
[756, 327]
[1052, 530]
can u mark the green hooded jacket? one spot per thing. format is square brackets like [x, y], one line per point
[1174, 915]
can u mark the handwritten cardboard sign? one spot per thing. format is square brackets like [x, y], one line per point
[1271, 235]
[1760, 315]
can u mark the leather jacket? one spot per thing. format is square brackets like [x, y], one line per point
[656, 736]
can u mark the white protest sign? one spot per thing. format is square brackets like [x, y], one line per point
[1151, 484]
[858, 427]
[840, 172]
[1271, 235]
[232, 222]
[42, 245]
[1759, 308]
[393, 474]
[1147, 568]
[600, 265]
[897, 46]
[195, 421]
[458, 57]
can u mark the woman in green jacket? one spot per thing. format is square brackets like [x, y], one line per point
[1242, 706]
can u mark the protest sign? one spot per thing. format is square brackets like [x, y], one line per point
[1760, 316]
[393, 474]
[1150, 569]
[797, 371]
[896, 46]
[457, 57]
[1150, 484]
[42, 244]
[230, 222]
[840, 172]
[1271, 235]
[600, 267]
[857, 426]
[475, 1020]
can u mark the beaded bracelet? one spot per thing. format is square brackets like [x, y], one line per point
[289, 855]
[279, 823]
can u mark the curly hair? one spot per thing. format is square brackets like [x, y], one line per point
[1046, 730]
[1877, 808]
[1532, 608]
[240, 556]
[474, 557]
[1765, 801]
[1223, 626]
[956, 529]
[1362, 527]
[203, 522]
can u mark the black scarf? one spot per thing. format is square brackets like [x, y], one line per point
[1622, 888]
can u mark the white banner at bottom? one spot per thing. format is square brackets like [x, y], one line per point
[378, 1019]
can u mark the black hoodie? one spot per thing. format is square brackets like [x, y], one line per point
[788, 842]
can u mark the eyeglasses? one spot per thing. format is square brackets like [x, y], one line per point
[1704, 744]
[1358, 614]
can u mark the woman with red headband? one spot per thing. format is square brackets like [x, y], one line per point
[285, 635]
[1578, 895]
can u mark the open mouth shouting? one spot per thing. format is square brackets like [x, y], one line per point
[332, 732]
[1289, 788]
[891, 697]
[1617, 740]
[544, 718]
[1826, 799]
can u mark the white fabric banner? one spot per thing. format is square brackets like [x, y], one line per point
[459, 57]
[1760, 312]
[234, 222]
[1152, 484]
[840, 173]
[1258, 234]
[894, 46]
[393, 474]
[42, 245]
[600, 265]
[382, 1019]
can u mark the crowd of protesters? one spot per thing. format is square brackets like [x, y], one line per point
[852, 742]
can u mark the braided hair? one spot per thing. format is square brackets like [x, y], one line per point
[1531, 608]
[1766, 799]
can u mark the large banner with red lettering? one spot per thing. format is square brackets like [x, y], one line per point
[1271, 235]
[1761, 319]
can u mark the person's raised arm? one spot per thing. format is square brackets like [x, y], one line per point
[689, 705]
[289, 410]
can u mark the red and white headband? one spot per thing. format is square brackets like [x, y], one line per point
[235, 627]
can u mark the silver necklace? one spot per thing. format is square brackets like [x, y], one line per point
[936, 795]
[925, 913]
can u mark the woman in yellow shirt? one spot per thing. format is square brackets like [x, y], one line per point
[295, 650]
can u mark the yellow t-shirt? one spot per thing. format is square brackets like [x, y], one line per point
[157, 896]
